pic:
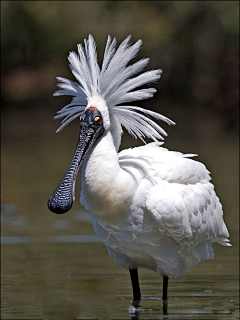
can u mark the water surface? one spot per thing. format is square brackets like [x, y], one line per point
[53, 266]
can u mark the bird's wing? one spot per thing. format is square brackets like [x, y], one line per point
[151, 161]
[180, 198]
[187, 212]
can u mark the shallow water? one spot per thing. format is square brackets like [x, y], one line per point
[53, 266]
[80, 281]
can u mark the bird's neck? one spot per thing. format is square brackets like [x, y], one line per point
[107, 189]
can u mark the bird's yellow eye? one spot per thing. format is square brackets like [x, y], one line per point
[96, 119]
[80, 118]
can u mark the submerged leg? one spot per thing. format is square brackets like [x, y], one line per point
[135, 287]
[164, 297]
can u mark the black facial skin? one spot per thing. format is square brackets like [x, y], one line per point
[91, 128]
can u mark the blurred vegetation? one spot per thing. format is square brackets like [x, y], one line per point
[196, 43]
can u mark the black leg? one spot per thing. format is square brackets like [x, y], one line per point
[165, 287]
[135, 285]
[164, 297]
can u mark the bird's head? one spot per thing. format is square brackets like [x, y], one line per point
[92, 119]
[102, 99]
[96, 104]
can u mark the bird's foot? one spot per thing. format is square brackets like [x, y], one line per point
[134, 310]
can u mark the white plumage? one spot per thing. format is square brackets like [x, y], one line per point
[151, 207]
[173, 218]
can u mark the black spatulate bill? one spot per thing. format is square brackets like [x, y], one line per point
[62, 199]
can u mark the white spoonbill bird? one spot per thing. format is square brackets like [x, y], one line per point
[151, 207]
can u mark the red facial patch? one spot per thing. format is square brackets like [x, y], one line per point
[92, 108]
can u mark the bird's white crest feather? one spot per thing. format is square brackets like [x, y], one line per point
[116, 82]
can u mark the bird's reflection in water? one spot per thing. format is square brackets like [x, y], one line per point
[135, 310]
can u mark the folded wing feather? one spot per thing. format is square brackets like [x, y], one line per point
[180, 198]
